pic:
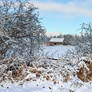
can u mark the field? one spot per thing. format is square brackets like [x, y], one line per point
[57, 52]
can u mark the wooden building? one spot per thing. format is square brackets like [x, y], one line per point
[55, 41]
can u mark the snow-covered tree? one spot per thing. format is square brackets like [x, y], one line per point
[68, 39]
[20, 22]
[85, 43]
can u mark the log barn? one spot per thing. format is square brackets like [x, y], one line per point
[55, 41]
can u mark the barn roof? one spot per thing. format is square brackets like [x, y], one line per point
[56, 40]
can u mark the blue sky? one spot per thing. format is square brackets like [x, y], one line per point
[64, 16]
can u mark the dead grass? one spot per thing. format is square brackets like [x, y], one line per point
[85, 72]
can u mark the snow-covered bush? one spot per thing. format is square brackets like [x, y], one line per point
[85, 69]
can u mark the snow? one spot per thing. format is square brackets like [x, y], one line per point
[58, 70]
[56, 52]
[85, 89]
[46, 86]
[56, 40]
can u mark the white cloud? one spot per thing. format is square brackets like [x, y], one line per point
[69, 8]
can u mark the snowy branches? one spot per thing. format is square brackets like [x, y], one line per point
[20, 22]
[85, 43]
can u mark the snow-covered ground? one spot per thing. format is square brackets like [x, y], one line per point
[57, 52]
[50, 75]
[43, 87]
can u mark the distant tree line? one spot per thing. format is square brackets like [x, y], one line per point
[69, 39]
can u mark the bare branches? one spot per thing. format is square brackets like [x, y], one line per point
[19, 20]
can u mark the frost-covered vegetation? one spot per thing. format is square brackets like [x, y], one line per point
[26, 65]
[21, 30]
